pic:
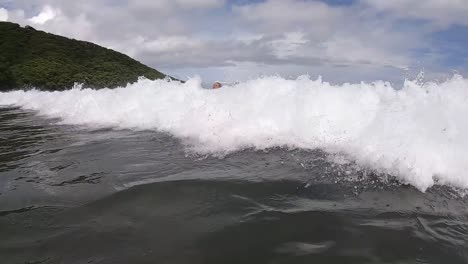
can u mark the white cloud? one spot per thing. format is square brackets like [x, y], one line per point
[288, 45]
[440, 12]
[354, 51]
[343, 36]
[167, 5]
[283, 36]
[3, 14]
[200, 3]
[53, 19]
[165, 44]
[276, 15]
[45, 15]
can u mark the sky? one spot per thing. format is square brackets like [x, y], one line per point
[236, 40]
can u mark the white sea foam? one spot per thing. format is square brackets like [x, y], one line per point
[418, 133]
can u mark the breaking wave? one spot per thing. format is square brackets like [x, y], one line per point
[418, 132]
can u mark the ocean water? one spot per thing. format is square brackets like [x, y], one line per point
[264, 171]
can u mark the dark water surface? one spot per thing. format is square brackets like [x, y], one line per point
[74, 195]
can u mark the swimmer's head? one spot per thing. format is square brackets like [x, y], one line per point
[217, 85]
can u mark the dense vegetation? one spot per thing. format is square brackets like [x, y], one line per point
[31, 58]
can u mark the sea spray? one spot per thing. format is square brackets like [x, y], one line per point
[417, 132]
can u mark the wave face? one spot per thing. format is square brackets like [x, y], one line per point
[417, 133]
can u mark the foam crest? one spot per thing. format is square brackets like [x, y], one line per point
[418, 133]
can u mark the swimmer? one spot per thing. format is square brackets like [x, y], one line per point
[217, 85]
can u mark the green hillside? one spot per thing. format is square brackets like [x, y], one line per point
[31, 58]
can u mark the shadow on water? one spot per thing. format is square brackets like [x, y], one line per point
[21, 135]
[236, 222]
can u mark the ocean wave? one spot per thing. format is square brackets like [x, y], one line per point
[417, 132]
